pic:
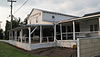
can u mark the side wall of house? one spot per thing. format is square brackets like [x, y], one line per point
[55, 17]
[36, 18]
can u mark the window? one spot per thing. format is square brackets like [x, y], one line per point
[53, 17]
[91, 27]
[94, 27]
[63, 28]
[77, 27]
[69, 28]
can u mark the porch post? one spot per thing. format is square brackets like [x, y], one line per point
[21, 35]
[99, 26]
[73, 30]
[54, 32]
[61, 31]
[29, 35]
[15, 35]
[40, 34]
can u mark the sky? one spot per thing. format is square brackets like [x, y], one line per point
[71, 7]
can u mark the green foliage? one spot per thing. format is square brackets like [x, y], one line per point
[15, 23]
[7, 27]
[10, 51]
[1, 34]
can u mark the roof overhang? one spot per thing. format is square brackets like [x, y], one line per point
[30, 25]
[39, 25]
[81, 18]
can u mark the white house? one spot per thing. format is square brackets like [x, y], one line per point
[46, 29]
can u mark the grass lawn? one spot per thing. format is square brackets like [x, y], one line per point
[9, 51]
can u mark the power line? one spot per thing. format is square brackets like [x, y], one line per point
[20, 6]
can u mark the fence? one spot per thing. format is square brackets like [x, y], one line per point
[88, 47]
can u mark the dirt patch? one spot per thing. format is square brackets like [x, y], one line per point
[55, 52]
[52, 52]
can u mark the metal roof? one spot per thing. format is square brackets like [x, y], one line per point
[85, 17]
[30, 25]
[95, 13]
[45, 11]
[38, 24]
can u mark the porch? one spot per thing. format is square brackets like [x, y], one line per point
[64, 33]
[32, 34]
[35, 36]
[78, 28]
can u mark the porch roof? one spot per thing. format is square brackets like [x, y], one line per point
[80, 18]
[30, 25]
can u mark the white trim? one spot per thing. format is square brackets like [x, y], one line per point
[73, 30]
[38, 24]
[78, 48]
[15, 35]
[29, 35]
[61, 31]
[79, 18]
[99, 25]
[47, 40]
[54, 32]
[33, 30]
[40, 34]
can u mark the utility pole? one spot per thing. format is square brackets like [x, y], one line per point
[11, 1]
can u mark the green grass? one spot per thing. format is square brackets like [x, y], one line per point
[7, 50]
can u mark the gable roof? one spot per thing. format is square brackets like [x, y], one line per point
[80, 18]
[45, 11]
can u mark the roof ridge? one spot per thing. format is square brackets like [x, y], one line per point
[55, 12]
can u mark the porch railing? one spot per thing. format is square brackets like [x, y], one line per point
[87, 34]
[81, 34]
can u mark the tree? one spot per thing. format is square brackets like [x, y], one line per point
[15, 23]
[25, 21]
[1, 34]
[7, 27]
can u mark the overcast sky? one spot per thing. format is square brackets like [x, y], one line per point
[72, 7]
